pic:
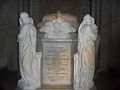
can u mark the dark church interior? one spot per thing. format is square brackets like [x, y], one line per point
[107, 17]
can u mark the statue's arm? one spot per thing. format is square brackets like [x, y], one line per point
[23, 32]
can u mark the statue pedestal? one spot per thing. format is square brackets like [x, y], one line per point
[93, 88]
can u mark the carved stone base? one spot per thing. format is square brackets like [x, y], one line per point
[93, 88]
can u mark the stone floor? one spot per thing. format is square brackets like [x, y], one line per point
[103, 81]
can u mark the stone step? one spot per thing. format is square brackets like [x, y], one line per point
[54, 89]
[93, 88]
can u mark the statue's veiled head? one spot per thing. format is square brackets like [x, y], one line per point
[24, 18]
[87, 18]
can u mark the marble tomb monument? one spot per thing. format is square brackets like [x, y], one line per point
[66, 59]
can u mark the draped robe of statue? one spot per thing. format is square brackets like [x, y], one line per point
[29, 60]
[84, 60]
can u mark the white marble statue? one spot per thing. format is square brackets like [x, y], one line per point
[58, 25]
[84, 60]
[29, 60]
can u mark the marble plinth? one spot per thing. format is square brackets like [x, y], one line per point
[93, 88]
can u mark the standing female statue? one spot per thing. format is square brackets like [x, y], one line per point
[29, 60]
[84, 60]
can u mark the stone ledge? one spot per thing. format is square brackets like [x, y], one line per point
[54, 89]
[93, 88]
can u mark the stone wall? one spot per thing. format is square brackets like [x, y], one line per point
[8, 33]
